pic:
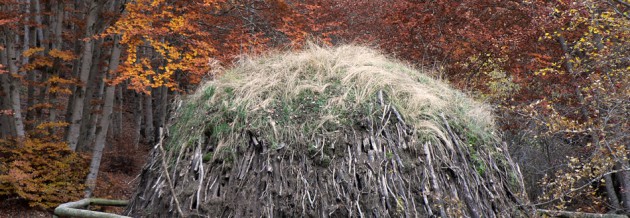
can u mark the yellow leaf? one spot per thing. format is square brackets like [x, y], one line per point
[29, 52]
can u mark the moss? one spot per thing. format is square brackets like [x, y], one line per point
[323, 161]
[207, 157]
[208, 93]
[478, 163]
[226, 154]
[472, 139]
[389, 155]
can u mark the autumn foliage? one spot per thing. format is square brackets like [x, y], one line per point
[42, 172]
[557, 73]
[175, 43]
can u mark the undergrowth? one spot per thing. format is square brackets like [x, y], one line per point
[295, 97]
[44, 173]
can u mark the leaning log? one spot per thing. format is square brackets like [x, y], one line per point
[73, 209]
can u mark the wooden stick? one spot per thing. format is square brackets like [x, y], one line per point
[168, 178]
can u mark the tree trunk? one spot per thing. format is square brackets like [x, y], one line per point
[88, 106]
[57, 27]
[91, 136]
[25, 59]
[75, 63]
[86, 63]
[162, 108]
[611, 193]
[624, 182]
[116, 126]
[149, 130]
[57, 43]
[41, 43]
[38, 28]
[137, 112]
[43, 92]
[30, 94]
[30, 100]
[7, 126]
[103, 125]
[14, 88]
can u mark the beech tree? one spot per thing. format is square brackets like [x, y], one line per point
[548, 66]
[556, 71]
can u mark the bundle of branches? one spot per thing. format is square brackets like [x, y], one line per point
[329, 132]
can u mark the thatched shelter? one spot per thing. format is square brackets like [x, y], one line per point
[329, 132]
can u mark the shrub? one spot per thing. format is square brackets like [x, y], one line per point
[42, 172]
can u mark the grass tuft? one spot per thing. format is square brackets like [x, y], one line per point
[292, 97]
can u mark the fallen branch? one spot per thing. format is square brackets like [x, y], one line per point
[579, 188]
[168, 178]
[562, 213]
[71, 209]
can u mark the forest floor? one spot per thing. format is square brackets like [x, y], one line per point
[117, 179]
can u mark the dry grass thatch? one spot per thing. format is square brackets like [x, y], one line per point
[330, 132]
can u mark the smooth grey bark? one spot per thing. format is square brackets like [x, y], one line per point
[41, 42]
[103, 126]
[94, 118]
[43, 92]
[57, 43]
[7, 126]
[30, 94]
[25, 60]
[38, 21]
[30, 100]
[118, 116]
[86, 63]
[57, 25]
[149, 130]
[88, 108]
[611, 193]
[14, 88]
[162, 107]
[26, 41]
[75, 63]
[137, 112]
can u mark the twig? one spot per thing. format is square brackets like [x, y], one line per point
[434, 182]
[470, 202]
[168, 177]
[561, 213]
[581, 187]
